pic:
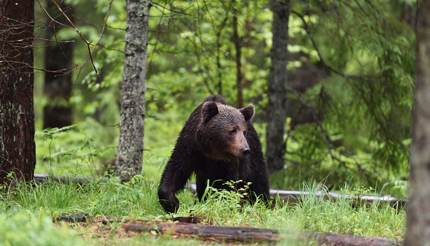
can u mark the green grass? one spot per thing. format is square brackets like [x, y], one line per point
[138, 199]
[24, 227]
[82, 150]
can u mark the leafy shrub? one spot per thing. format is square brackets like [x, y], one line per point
[25, 228]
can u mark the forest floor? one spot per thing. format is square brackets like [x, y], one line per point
[138, 200]
[27, 211]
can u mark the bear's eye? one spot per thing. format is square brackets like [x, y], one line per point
[245, 132]
[232, 131]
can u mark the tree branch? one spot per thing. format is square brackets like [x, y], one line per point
[78, 32]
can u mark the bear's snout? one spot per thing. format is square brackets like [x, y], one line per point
[241, 147]
[246, 151]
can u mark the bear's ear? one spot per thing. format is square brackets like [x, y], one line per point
[248, 112]
[209, 110]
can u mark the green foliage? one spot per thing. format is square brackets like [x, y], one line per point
[365, 101]
[341, 217]
[366, 47]
[86, 145]
[137, 199]
[26, 228]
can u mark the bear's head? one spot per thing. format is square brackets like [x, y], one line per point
[222, 131]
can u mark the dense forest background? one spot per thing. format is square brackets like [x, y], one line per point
[351, 69]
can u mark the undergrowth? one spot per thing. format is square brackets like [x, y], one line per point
[138, 199]
[28, 209]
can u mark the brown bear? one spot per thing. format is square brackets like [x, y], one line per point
[218, 143]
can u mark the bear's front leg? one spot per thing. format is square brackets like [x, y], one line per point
[174, 178]
[168, 199]
[201, 184]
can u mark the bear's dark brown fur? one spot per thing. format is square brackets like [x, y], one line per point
[218, 143]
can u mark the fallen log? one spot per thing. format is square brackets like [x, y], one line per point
[191, 227]
[41, 178]
[207, 232]
[72, 218]
[287, 195]
[81, 217]
[250, 234]
[348, 240]
[292, 196]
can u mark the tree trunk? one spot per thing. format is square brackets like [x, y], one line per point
[17, 148]
[238, 57]
[130, 149]
[418, 212]
[58, 74]
[277, 86]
